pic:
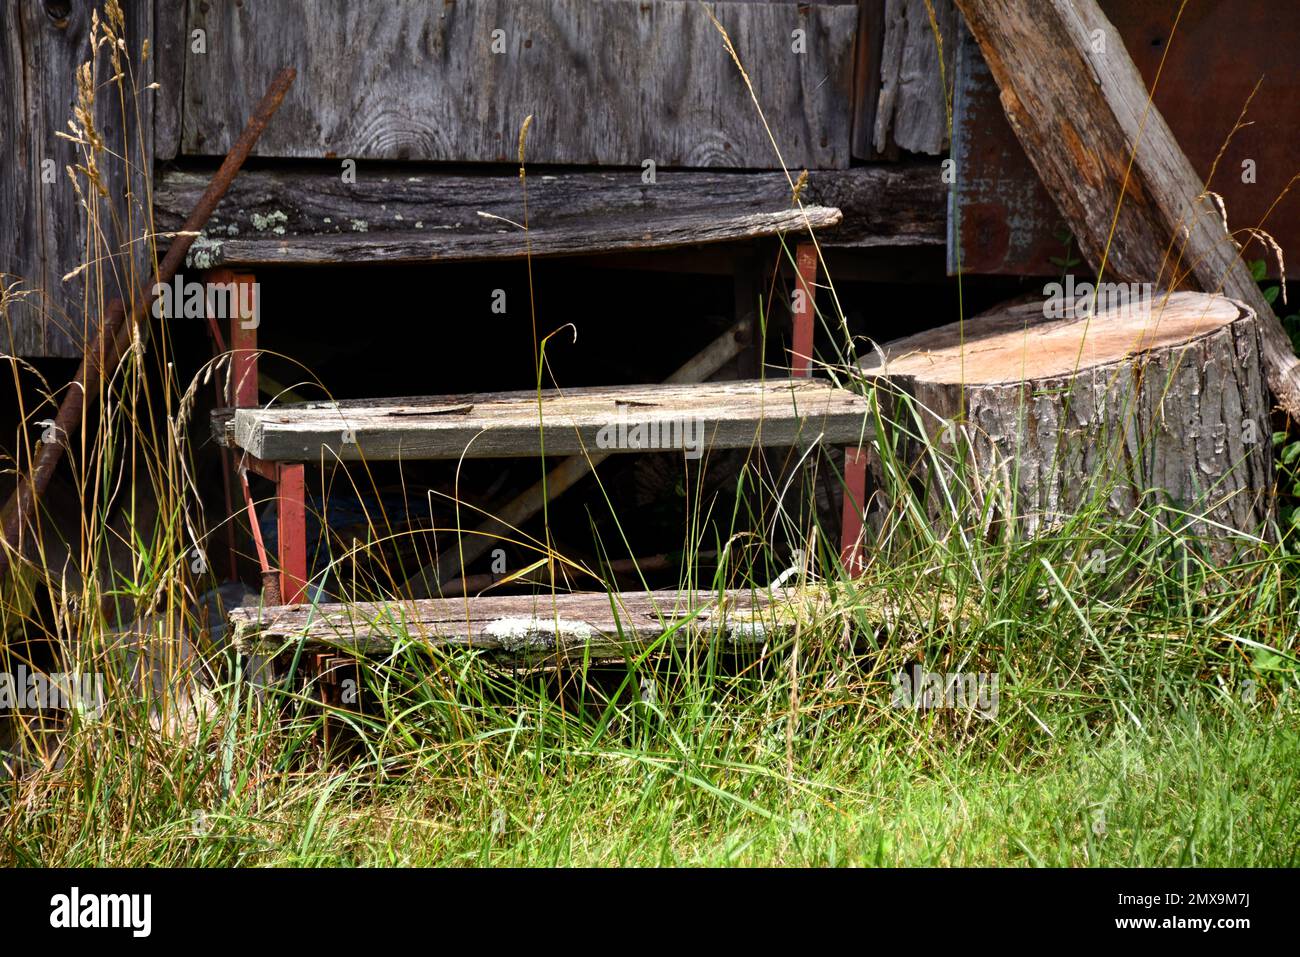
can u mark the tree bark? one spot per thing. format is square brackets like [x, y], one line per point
[1162, 403]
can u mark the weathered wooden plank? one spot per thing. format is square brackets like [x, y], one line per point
[570, 239]
[392, 212]
[610, 82]
[528, 626]
[171, 43]
[911, 110]
[885, 205]
[41, 48]
[1134, 202]
[866, 76]
[693, 418]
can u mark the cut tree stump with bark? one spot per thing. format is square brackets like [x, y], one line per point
[1136, 207]
[1152, 403]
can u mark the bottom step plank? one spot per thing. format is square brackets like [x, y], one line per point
[528, 626]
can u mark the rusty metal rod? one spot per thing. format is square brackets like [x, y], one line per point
[111, 341]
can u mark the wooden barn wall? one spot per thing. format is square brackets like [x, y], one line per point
[45, 224]
[609, 82]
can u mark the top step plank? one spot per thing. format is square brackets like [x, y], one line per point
[611, 234]
[304, 215]
[604, 419]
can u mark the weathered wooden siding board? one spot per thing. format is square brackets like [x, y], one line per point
[170, 45]
[307, 214]
[866, 76]
[910, 109]
[698, 417]
[23, 202]
[41, 47]
[609, 82]
[531, 626]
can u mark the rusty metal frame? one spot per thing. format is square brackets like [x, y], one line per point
[855, 459]
[803, 308]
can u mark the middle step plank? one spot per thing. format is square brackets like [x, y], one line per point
[644, 418]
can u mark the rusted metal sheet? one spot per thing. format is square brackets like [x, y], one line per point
[1006, 219]
[1219, 51]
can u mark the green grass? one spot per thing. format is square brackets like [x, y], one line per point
[1209, 785]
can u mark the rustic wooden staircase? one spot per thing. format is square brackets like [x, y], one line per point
[588, 424]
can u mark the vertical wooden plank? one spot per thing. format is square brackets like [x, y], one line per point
[42, 45]
[866, 75]
[912, 112]
[171, 42]
[36, 62]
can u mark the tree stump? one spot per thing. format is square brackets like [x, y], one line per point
[1155, 403]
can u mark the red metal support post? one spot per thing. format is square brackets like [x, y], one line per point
[855, 502]
[290, 484]
[291, 514]
[805, 261]
[855, 459]
[244, 320]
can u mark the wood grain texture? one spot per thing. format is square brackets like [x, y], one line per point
[1018, 343]
[915, 73]
[393, 212]
[1130, 408]
[609, 82]
[866, 76]
[1083, 114]
[528, 626]
[774, 412]
[41, 48]
[612, 234]
[171, 40]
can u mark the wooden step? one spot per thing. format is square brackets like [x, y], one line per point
[308, 216]
[544, 626]
[693, 418]
[612, 234]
